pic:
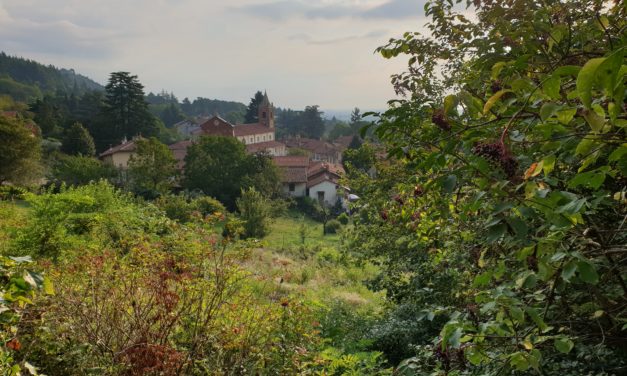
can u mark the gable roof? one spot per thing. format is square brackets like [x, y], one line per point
[251, 129]
[125, 147]
[321, 179]
[292, 161]
[261, 146]
[318, 167]
[313, 145]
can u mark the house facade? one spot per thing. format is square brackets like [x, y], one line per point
[119, 155]
[301, 177]
[317, 150]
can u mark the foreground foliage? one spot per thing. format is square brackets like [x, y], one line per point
[501, 210]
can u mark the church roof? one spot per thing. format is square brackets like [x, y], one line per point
[251, 129]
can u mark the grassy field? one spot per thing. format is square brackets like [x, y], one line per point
[286, 233]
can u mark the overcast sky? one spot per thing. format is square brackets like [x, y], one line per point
[302, 52]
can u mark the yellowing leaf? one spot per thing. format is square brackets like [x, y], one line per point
[585, 80]
[48, 287]
[493, 99]
[527, 344]
[533, 170]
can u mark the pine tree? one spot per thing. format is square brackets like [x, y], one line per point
[252, 112]
[125, 112]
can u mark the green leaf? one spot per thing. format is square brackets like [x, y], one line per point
[569, 269]
[535, 316]
[519, 226]
[587, 272]
[607, 71]
[517, 314]
[548, 164]
[548, 109]
[618, 153]
[585, 80]
[519, 361]
[450, 103]
[563, 344]
[493, 99]
[496, 232]
[566, 116]
[449, 183]
[595, 121]
[497, 68]
[551, 87]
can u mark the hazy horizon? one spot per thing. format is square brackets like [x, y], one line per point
[303, 53]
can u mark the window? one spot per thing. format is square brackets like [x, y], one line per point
[292, 187]
[320, 196]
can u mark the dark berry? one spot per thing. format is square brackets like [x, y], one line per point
[439, 118]
[399, 199]
[418, 191]
[384, 215]
[496, 86]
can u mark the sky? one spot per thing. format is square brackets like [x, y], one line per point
[302, 52]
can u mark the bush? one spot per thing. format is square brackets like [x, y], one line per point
[310, 208]
[329, 255]
[176, 207]
[332, 226]
[343, 219]
[208, 205]
[256, 212]
[79, 170]
[10, 192]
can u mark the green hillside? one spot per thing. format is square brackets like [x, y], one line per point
[24, 79]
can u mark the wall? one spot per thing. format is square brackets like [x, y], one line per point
[329, 189]
[119, 159]
[300, 189]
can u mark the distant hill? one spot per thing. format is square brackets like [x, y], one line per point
[24, 79]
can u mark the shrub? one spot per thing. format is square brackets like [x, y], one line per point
[330, 255]
[176, 207]
[79, 170]
[208, 205]
[332, 227]
[10, 192]
[310, 208]
[343, 219]
[256, 211]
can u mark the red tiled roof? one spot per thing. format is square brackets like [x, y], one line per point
[318, 167]
[344, 141]
[181, 145]
[294, 175]
[292, 161]
[251, 129]
[313, 145]
[322, 178]
[128, 146]
[260, 146]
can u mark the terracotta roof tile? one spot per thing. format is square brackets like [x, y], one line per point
[260, 146]
[292, 161]
[128, 146]
[251, 129]
[294, 175]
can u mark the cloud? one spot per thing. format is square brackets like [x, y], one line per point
[57, 37]
[284, 9]
[376, 34]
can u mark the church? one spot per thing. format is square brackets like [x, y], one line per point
[258, 137]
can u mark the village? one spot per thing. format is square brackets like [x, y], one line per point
[309, 167]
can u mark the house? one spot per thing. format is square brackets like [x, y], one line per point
[293, 174]
[187, 127]
[323, 182]
[304, 178]
[179, 150]
[317, 150]
[119, 155]
[258, 137]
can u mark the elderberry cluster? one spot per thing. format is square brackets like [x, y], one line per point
[497, 154]
[438, 118]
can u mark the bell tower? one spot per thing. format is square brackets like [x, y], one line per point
[266, 112]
